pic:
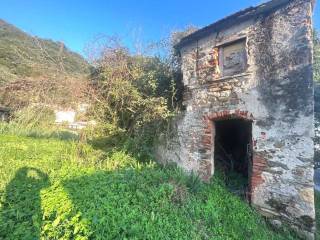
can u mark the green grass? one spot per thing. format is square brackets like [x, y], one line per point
[62, 189]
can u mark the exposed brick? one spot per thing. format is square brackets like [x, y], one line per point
[259, 163]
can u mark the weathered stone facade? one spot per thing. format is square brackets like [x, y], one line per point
[255, 65]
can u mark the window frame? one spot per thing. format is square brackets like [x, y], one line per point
[221, 48]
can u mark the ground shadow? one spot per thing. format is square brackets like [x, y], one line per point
[21, 213]
[111, 203]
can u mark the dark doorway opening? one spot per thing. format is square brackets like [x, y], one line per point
[233, 154]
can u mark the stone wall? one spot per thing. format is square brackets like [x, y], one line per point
[274, 91]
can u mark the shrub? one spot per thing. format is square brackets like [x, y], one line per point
[34, 116]
[127, 93]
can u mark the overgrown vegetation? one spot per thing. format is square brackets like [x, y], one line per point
[101, 183]
[134, 94]
[131, 90]
[62, 189]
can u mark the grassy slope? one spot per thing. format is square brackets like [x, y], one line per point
[66, 190]
[22, 55]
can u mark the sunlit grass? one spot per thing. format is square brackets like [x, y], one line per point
[63, 189]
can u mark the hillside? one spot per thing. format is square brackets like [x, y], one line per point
[24, 56]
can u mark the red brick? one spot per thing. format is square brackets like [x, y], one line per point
[259, 163]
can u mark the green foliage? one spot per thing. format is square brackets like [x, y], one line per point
[54, 189]
[127, 89]
[36, 121]
[137, 94]
[34, 117]
[134, 95]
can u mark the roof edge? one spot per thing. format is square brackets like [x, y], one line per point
[232, 19]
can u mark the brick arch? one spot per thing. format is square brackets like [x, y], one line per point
[229, 114]
[206, 149]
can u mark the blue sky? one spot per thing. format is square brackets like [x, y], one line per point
[77, 22]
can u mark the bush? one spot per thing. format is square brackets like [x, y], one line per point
[34, 116]
[134, 97]
[127, 94]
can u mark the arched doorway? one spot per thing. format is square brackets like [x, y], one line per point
[233, 153]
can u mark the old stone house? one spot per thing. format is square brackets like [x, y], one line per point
[249, 108]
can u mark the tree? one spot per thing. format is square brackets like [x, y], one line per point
[128, 93]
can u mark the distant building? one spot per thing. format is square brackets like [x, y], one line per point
[65, 116]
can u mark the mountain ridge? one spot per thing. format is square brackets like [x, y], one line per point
[25, 56]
